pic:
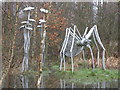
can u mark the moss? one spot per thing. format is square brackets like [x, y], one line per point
[86, 75]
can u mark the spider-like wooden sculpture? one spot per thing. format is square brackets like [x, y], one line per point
[74, 43]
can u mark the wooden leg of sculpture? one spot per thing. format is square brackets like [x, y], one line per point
[100, 42]
[77, 37]
[85, 32]
[61, 60]
[66, 42]
[75, 27]
[98, 61]
[63, 46]
[72, 49]
[91, 55]
[84, 55]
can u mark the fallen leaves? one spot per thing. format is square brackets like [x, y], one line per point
[111, 63]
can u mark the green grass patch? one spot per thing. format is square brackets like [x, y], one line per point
[86, 75]
[30, 72]
[45, 72]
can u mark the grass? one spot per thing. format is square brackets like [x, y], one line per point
[82, 75]
[45, 72]
[30, 72]
[86, 75]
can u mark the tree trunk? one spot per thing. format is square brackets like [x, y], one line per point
[13, 46]
[43, 46]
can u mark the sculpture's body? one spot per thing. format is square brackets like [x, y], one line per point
[74, 43]
[27, 27]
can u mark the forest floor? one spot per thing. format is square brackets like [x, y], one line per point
[84, 72]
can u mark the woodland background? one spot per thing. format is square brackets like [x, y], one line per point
[61, 16]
